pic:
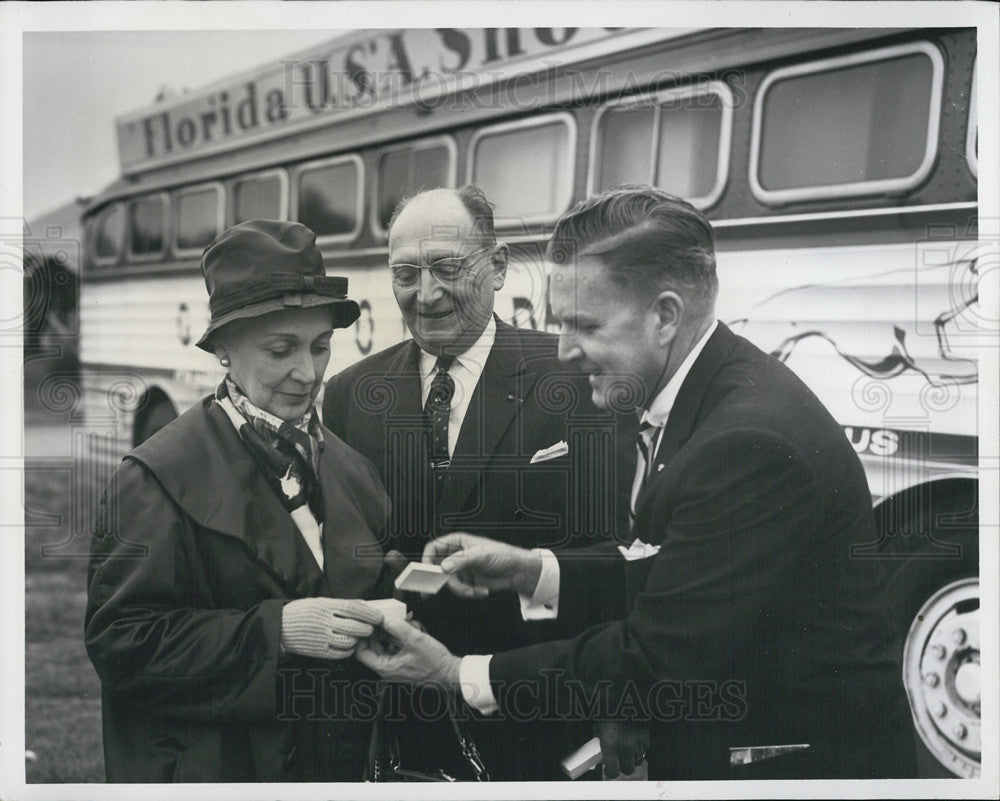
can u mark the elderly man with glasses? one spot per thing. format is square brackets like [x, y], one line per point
[476, 426]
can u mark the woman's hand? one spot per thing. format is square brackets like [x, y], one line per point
[326, 628]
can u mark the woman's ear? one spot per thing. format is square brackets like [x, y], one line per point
[221, 353]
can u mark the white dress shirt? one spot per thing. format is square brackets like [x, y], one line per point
[543, 604]
[465, 371]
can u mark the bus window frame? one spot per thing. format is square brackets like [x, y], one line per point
[892, 186]
[718, 88]
[972, 127]
[109, 261]
[282, 176]
[530, 122]
[220, 216]
[307, 166]
[145, 258]
[447, 140]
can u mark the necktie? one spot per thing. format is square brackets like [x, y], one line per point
[644, 443]
[438, 410]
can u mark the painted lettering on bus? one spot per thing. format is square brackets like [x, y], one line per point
[877, 441]
[224, 116]
[387, 62]
[368, 72]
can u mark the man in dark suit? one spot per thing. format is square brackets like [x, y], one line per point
[754, 646]
[464, 423]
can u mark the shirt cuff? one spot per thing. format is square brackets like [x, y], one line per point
[474, 679]
[543, 604]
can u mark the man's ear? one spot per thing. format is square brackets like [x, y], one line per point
[499, 266]
[669, 310]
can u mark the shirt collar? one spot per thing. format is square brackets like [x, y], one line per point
[472, 359]
[659, 410]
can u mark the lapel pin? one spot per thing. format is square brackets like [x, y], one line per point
[659, 467]
[512, 398]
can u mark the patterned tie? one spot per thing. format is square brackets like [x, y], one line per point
[644, 443]
[438, 410]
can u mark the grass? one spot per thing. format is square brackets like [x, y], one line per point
[62, 691]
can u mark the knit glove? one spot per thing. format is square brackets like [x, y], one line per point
[326, 628]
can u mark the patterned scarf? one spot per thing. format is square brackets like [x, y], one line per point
[287, 453]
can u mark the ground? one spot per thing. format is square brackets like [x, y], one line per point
[62, 712]
[62, 692]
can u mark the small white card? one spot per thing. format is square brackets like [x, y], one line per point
[638, 550]
[390, 608]
[583, 759]
[551, 452]
[420, 577]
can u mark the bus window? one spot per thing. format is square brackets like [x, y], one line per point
[626, 155]
[147, 226]
[329, 198]
[855, 125]
[260, 197]
[972, 133]
[198, 213]
[526, 167]
[407, 170]
[108, 228]
[677, 140]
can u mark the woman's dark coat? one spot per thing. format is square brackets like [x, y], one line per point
[193, 558]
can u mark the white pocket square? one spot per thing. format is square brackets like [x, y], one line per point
[551, 452]
[638, 550]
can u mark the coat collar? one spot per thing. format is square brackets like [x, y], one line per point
[203, 465]
[692, 392]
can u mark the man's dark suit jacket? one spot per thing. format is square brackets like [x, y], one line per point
[526, 400]
[753, 625]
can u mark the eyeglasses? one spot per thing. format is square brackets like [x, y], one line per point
[446, 270]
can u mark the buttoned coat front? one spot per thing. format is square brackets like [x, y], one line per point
[193, 559]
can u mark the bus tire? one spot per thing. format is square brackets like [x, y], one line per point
[931, 534]
[153, 415]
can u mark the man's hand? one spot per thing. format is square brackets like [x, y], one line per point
[479, 566]
[623, 745]
[411, 657]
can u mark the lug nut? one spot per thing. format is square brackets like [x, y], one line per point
[938, 651]
[931, 679]
[940, 710]
[959, 731]
[958, 636]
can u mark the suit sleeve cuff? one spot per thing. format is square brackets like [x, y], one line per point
[543, 604]
[474, 678]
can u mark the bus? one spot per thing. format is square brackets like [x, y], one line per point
[839, 168]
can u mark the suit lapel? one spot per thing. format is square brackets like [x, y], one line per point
[696, 384]
[403, 376]
[403, 457]
[506, 381]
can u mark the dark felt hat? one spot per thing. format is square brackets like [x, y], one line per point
[262, 266]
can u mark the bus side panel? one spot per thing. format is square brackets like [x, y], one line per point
[876, 336]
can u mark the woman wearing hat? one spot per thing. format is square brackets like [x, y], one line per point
[233, 547]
